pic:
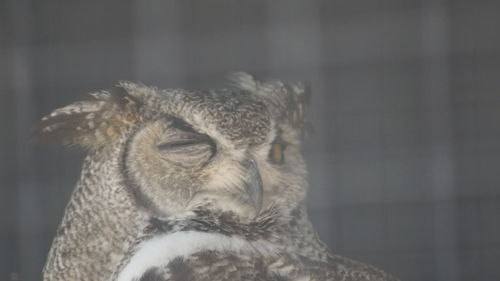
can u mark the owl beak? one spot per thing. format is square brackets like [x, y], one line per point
[253, 183]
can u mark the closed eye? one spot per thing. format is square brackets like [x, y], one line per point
[181, 143]
[183, 146]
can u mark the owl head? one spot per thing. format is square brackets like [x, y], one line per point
[235, 149]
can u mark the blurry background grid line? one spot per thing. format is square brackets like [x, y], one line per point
[404, 162]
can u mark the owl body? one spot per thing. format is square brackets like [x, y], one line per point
[191, 185]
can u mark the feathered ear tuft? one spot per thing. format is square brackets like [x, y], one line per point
[288, 100]
[93, 122]
[244, 81]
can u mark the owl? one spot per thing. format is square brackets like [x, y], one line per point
[191, 185]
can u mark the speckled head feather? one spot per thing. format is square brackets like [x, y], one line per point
[287, 101]
[241, 113]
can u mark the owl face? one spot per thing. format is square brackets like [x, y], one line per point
[236, 150]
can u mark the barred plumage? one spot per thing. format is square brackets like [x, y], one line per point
[191, 185]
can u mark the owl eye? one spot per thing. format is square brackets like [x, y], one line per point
[277, 152]
[186, 148]
[181, 145]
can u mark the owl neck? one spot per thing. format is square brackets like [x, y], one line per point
[99, 222]
[287, 226]
[287, 230]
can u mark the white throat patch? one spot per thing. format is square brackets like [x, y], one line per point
[160, 250]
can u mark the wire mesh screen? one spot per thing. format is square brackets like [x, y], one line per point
[403, 163]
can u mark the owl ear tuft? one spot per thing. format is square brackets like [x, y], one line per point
[244, 81]
[93, 122]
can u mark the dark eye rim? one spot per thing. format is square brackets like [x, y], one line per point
[179, 143]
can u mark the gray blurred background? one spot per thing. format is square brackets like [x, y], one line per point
[404, 164]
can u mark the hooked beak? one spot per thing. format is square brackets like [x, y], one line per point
[253, 183]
